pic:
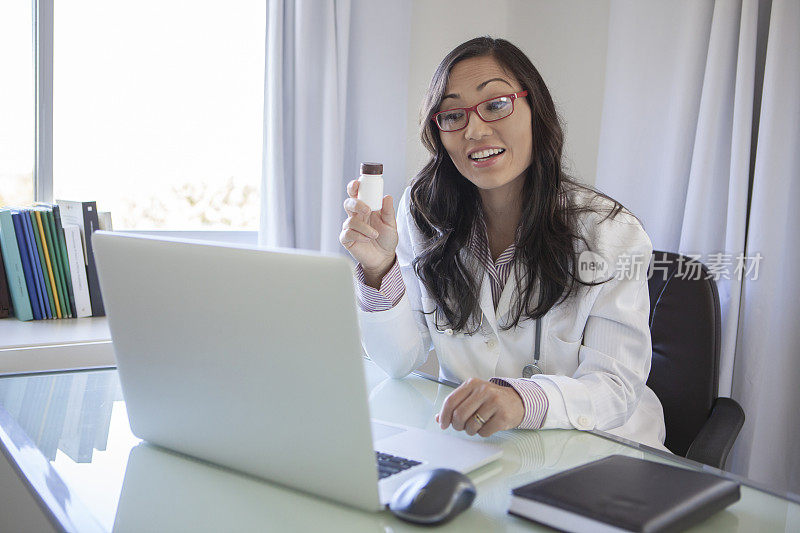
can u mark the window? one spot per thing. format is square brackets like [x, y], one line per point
[17, 114]
[158, 111]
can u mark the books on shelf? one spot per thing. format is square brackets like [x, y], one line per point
[33, 276]
[48, 269]
[84, 215]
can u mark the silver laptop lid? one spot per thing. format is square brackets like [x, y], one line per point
[214, 363]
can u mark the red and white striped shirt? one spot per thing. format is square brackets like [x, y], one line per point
[392, 288]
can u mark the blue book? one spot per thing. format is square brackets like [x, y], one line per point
[25, 257]
[35, 265]
[13, 263]
[47, 312]
[17, 218]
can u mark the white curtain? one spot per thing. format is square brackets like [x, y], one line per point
[767, 370]
[676, 132]
[682, 105]
[304, 122]
[336, 88]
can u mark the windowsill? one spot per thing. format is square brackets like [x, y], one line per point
[46, 345]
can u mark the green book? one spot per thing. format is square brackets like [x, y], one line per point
[55, 260]
[52, 269]
[62, 246]
[40, 248]
[61, 261]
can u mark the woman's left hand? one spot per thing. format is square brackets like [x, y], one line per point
[499, 407]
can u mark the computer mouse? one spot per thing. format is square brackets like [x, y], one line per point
[433, 496]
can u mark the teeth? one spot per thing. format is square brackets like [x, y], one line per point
[483, 154]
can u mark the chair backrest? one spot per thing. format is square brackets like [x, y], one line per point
[685, 330]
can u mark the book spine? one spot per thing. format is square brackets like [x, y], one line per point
[41, 294]
[63, 266]
[48, 247]
[104, 220]
[90, 225]
[22, 245]
[36, 265]
[5, 295]
[80, 288]
[72, 213]
[55, 259]
[50, 276]
[51, 302]
[13, 267]
[62, 245]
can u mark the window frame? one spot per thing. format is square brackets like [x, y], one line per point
[43, 100]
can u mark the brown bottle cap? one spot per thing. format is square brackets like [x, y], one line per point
[372, 168]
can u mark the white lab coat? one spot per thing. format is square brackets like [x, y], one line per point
[595, 347]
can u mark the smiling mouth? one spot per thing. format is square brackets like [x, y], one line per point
[486, 154]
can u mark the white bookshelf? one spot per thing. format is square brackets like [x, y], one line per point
[44, 345]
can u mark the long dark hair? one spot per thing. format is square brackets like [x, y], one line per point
[445, 205]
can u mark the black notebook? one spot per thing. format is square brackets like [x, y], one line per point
[621, 493]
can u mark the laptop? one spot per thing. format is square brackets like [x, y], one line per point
[251, 359]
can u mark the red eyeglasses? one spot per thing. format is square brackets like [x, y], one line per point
[490, 110]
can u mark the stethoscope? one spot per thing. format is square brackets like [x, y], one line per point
[531, 369]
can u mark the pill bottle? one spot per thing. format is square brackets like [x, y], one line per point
[370, 185]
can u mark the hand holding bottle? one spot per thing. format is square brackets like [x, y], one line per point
[369, 236]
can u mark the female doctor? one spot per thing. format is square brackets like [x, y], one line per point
[507, 268]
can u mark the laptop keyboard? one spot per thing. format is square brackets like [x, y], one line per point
[389, 465]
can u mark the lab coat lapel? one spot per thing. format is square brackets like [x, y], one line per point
[504, 304]
[517, 274]
[487, 306]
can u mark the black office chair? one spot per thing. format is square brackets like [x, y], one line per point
[685, 329]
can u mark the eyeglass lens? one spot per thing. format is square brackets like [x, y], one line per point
[490, 110]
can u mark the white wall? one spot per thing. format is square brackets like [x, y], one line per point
[566, 40]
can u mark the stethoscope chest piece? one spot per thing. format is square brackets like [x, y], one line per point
[531, 370]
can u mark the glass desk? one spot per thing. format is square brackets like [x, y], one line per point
[67, 434]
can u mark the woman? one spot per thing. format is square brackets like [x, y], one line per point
[505, 266]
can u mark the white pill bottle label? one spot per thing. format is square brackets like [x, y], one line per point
[370, 185]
